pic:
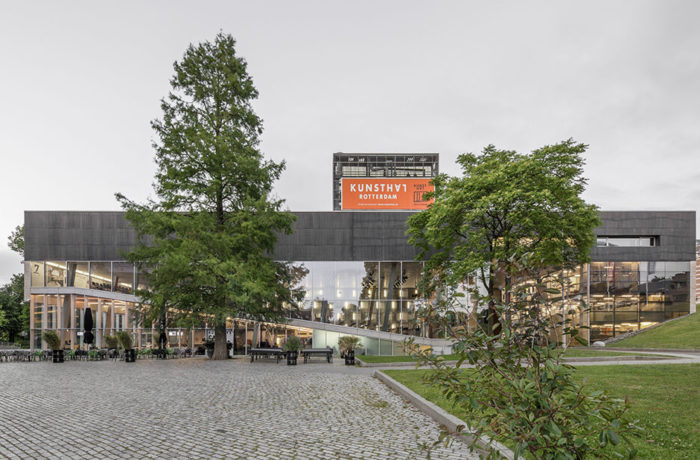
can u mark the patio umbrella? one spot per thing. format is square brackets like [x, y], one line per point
[87, 336]
[162, 338]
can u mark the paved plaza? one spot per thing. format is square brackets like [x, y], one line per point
[196, 408]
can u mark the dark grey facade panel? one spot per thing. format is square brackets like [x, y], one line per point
[674, 229]
[336, 236]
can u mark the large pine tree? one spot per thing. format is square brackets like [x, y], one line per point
[207, 239]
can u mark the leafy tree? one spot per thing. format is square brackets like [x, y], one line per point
[512, 219]
[13, 309]
[16, 240]
[505, 205]
[520, 391]
[206, 242]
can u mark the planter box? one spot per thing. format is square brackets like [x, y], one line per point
[57, 356]
[350, 358]
[292, 358]
[130, 356]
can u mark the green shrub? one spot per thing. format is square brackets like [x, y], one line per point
[125, 339]
[112, 342]
[51, 339]
[521, 392]
[348, 343]
[293, 343]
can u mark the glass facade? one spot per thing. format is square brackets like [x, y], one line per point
[380, 296]
[627, 296]
[622, 296]
[375, 295]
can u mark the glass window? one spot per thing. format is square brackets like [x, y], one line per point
[38, 310]
[322, 311]
[368, 314]
[626, 241]
[346, 314]
[390, 316]
[64, 305]
[119, 315]
[390, 280]
[78, 274]
[106, 323]
[51, 311]
[142, 279]
[101, 276]
[410, 276]
[370, 281]
[37, 271]
[354, 171]
[305, 308]
[55, 274]
[123, 277]
[623, 242]
[385, 347]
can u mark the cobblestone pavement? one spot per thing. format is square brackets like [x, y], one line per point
[196, 408]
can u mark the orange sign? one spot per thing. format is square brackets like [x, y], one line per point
[400, 194]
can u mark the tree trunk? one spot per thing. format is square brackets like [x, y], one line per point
[495, 289]
[220, 350]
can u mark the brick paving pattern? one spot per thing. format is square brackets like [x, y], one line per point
[195, 408]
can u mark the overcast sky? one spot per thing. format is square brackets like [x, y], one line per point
[80, 82]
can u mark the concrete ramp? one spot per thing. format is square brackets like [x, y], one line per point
[437, 344]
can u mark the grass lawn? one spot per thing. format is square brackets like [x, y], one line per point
[580, 352]
[682, 333]
[397, 359]
[664, 397]
[574, 352]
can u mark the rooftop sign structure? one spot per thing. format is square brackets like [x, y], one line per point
[367, 193]
[382, 181]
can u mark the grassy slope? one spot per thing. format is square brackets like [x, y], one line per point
[665, 398]
[575, 352]
[682, 333]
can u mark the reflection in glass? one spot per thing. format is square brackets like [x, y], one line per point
[55, 274]
[410, 276]
[38, 310]
[123, 277]
[101, 276]
[78, 274]
[37, 274]
[628, 296]
[370, 281]
[142, 279]
[51, 312]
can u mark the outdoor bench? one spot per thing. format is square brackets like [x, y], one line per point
[309, 352]
[266, 353]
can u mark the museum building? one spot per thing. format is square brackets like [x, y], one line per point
[362, 272]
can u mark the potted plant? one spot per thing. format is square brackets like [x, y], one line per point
[209, 345]
[111, 342]
[52, 340]
[292, 347]
[347, 345]
[127, 342]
